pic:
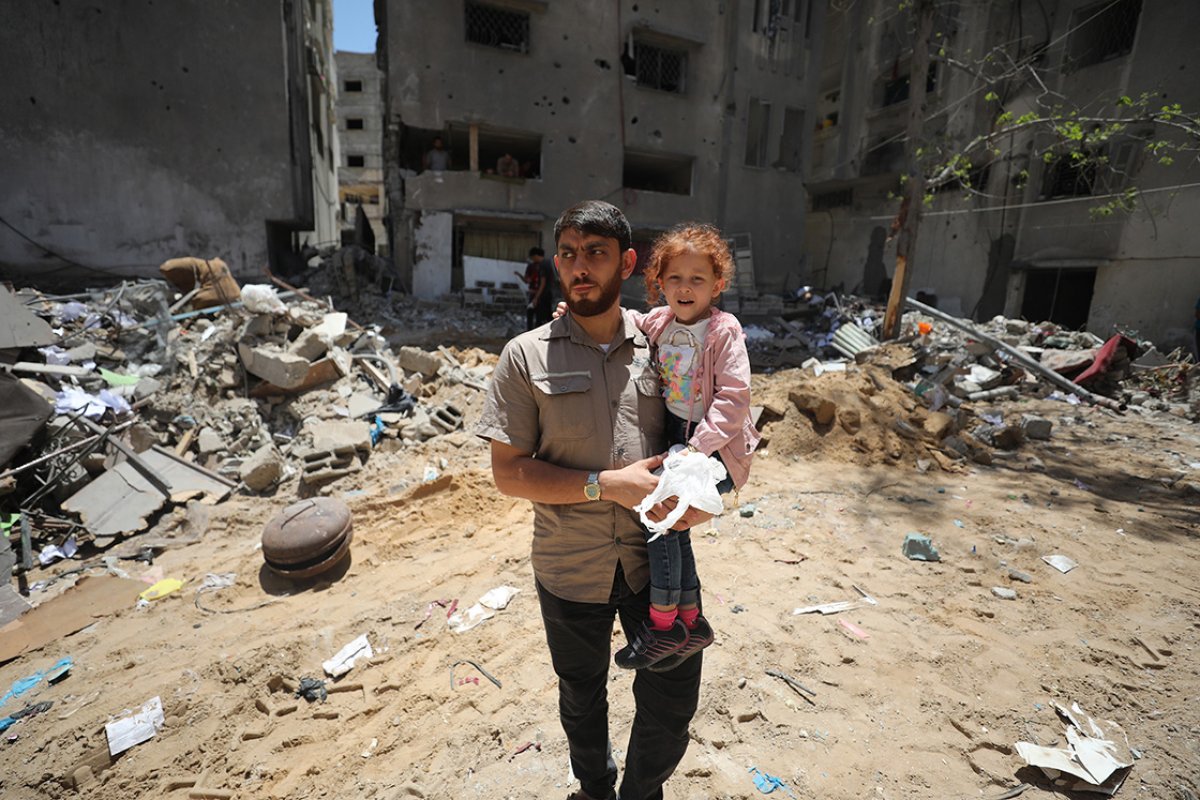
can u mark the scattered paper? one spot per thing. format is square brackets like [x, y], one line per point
[1060, 563]
[829, 608]
[51, 553]
[344, 660]
[1097, 760]
[493, 600]
[134, 728]
[854, 630]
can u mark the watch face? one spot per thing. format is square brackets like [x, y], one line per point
[592, 491]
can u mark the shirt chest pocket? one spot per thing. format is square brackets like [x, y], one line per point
[566, 404]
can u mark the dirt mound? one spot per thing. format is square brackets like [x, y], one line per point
[860, 416]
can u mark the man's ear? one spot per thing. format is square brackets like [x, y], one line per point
[628, 262]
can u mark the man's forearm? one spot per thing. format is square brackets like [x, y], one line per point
[519, 474]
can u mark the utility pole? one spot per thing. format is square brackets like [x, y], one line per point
[909, 218]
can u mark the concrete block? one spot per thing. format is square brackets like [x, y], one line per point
[939, 425]
[282, 369]
[1036, 427]
[209, 441]
[340, 435]
[414, 359]
[262, 469]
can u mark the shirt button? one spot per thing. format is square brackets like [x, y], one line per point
[617, 540]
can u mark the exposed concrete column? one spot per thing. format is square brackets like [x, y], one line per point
[473, 146]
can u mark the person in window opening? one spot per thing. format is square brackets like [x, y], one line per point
[575, 417]
[507, 166]
[437, 158]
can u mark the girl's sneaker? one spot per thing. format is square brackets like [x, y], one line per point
[699, 638]
[651, 646]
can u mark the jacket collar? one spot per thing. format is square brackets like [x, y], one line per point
[566, 327]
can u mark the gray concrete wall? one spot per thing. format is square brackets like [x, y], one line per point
[1147, 278]
[571, 91]
[134, 132]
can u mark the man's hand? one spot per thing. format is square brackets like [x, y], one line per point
[559, 309]
[693, 516]
[629, 485]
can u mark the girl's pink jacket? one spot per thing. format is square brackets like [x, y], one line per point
[724, 379]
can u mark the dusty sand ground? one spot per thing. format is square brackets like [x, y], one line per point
[929, 706]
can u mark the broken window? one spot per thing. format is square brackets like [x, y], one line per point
[1069, 176]
[791, 140]
[884, 156]
[1101, 31]
[836, 198]
[758, 125]
[492, 145]
[352, 86]
[497, 27]
[895, 85]
[354, 124]
[656, 172]
[1062, 295]
[659, 67]
[356, 161]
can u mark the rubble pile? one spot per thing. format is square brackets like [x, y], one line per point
[119, 405]
[946, 392]
[403, 319]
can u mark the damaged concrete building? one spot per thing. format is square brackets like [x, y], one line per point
[1026, 243]
[671, 110]
[137, 132]
[360, 133]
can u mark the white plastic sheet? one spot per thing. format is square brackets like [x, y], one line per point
[692, 478]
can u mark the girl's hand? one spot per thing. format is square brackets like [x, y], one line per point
[559, 309]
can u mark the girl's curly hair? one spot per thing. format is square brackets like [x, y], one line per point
[689, 237]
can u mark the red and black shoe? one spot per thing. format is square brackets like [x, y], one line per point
[651, 646]
[699, 637]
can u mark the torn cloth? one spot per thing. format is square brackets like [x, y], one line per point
[1118, 348]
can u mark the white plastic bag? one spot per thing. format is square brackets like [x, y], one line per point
[261, 299]
[692, 478]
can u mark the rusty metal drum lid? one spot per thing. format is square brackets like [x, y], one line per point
[306, 531]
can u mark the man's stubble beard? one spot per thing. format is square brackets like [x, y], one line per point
[610, 295]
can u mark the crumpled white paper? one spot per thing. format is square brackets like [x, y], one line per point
[691, 477]
[133, 728]
[492, 601]
[344, 660]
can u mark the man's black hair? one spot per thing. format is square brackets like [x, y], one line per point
[597, 218]
[536, 251]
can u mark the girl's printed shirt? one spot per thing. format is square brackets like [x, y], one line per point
[678, 362]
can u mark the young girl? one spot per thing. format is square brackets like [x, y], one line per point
[701, 354]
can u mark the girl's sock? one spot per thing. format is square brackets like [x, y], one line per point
[688, 615]
[662, 620]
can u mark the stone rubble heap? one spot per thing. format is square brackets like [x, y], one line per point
[271, 393]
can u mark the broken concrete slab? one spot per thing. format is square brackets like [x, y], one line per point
[339, 435]
[19, 327]
[209, 441]
[414, 359]
[277, 367]
[262, 469]
[121, 500]
[1036, 427]
[316, 341]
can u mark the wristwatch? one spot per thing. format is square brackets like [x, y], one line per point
[591, 489]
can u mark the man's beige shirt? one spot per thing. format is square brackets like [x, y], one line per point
[556, 394]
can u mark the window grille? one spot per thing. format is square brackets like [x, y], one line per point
[1102, 31]
[1069, 177]
[497, 27]
[658, 68]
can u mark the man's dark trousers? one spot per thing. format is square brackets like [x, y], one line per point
[580, 639]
